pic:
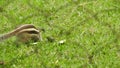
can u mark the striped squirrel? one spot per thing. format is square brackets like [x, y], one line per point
[24, 34]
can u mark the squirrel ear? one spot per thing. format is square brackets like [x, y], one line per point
[42, 29]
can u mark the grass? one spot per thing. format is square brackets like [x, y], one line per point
[90, 28]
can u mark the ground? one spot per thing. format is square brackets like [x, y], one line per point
[85, 33]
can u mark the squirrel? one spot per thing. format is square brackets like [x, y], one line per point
[24, 34]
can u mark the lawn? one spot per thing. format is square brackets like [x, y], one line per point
[86, 33]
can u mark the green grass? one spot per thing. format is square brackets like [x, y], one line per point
[91, 29]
